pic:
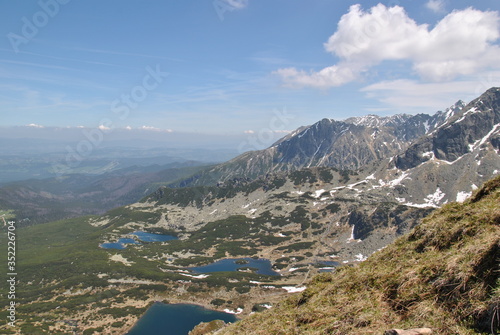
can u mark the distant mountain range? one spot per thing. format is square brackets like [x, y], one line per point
[346, 145]
[36, 201]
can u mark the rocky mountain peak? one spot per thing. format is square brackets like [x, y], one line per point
[462, 132]
[373, 121]
[441, 117]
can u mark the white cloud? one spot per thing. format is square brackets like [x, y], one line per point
[237, 4]
[34, 125]
[407, 94]
[249, 131]
[104, 128]
[437, 6]
[149, 128]
[462, 43]
[335, 75]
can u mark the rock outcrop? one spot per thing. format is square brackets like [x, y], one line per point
[477, 124]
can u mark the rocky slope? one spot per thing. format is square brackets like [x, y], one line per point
[450, 162]
[330, 207]
[472, 130]
[444, 275]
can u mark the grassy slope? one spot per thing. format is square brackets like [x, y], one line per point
[444, 275]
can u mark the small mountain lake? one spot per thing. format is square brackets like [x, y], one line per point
[175, 319]
[150, 237]
[262, 265]
[141, 236]
[328, 266]
[121, 244]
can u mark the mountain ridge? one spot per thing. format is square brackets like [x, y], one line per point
[347, 144]
[405, 152]
[458, 136]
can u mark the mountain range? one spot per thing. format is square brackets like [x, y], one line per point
[420, 152]
[346, 145]
[334, 192]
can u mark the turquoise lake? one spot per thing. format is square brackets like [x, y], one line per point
[121, 244]
[175, 319]
[263, 265]
[150, 237]
[141, 236]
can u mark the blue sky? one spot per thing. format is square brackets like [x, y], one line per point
[234, 66]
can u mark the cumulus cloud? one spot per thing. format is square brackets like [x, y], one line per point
[149, 128]
[34, 125]
[248, 131]
[460, 44]
[104, 128]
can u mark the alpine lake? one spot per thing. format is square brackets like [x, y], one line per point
[141, 236]
[180, 319]
[176, 319]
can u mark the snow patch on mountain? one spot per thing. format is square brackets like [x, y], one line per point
[431, 200]
[318, 193]
[462, 196]
[398, 180]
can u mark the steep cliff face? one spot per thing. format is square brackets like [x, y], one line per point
[384, 215]
[476, 126]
